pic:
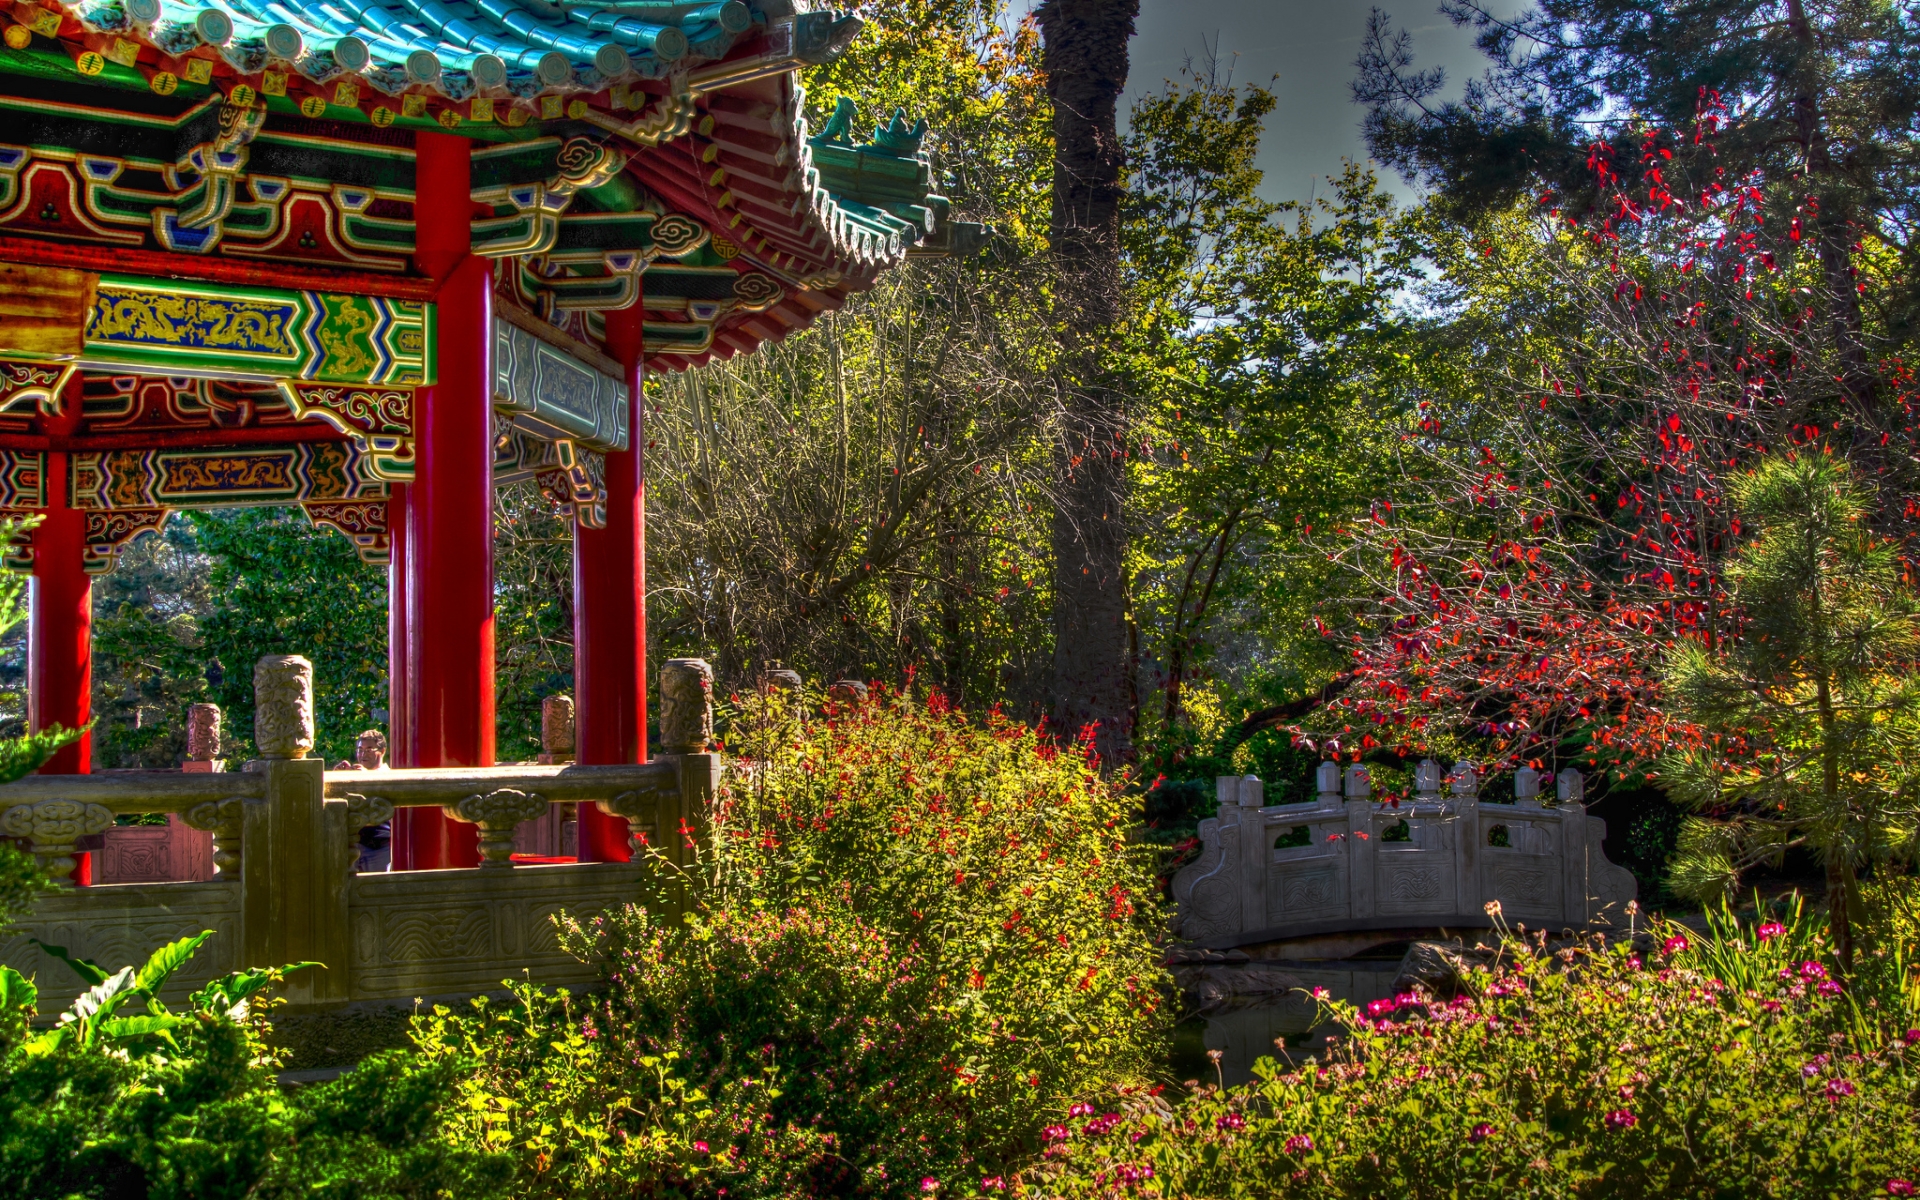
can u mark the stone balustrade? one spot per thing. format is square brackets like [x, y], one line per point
[1344, 862]
[284, 886]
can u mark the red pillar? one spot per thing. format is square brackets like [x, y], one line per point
[449, 588]
[610, 609]
[60, 611]
[399, 695]
[399, 659]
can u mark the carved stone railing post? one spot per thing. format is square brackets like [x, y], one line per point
[283, 706]
[1326, 784]
[203, 739]
[1526, 788]
[1570, 786]
[1426, 782]
[293, 895]
[1464, 782]
[556, 729]
[1256, 848]
[53, 826]
[1362, 841]
[497, 813]
[686, 705]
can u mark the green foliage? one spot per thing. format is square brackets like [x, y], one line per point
[286, 587]
[914, 936]
[1261, 340]
[1577, 1073]
[148, 660]
[1808, 723]
[124, 1097]
[872, 494]
[533, 615]
[22, 880]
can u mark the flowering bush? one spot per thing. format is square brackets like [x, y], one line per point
[1583, 1072]
[912, 936]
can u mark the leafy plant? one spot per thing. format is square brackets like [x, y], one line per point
[125, 1097]
[1577, 1072]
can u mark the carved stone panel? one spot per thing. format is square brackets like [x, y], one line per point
[1526, 885]
[1208, 890]
[1421, 886]
[446, 933]
[121, 926]
[1306, 890]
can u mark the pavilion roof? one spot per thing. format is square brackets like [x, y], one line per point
[649, 151]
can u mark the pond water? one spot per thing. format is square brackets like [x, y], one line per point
[1246, 1007]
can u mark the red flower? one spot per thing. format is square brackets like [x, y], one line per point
[1674, 944]
[700, 1147]
[1837, 1088]
[1480, 1132]
[1620, 1118]
[1771, 930]
[1232, 1120]
[1899, 1187]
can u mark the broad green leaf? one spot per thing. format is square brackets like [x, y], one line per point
[16, 990]
[90, 972]
[140, 1026]
[99, 1002]
[168, 959]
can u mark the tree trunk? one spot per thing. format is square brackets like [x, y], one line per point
[1086, 66]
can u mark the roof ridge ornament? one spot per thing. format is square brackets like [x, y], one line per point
[899, 139]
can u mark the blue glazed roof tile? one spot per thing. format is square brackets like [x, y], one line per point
[456, 47]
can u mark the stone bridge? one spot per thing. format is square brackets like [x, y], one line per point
[1344, 863]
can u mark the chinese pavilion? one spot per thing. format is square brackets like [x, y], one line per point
[374, 257]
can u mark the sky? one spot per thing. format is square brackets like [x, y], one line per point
[1310, 45]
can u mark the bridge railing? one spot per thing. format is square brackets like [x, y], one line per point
[1343, 861]
[285, 888]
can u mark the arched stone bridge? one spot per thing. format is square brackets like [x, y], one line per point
[1325, 867]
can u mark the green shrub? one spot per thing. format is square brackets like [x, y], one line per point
[124, 1098]
[913, 937]
[1581, 1073]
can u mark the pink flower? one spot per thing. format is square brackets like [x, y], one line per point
[929, 1184]
[1080, 1110]
[1480, 1132]
[1837, 1088]
[1232, 1120]
[1620, 1118]
[1674, 944]
[1771, 930]
[1913, 1035]
[1299, 1143]
[1830, 987]
[1321, 993]
[1772, 1006]
[1899, 1187]
[1054, 1133]
[700, 1147]
[993, 1183]
[1633, 962]
[1812, 970]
